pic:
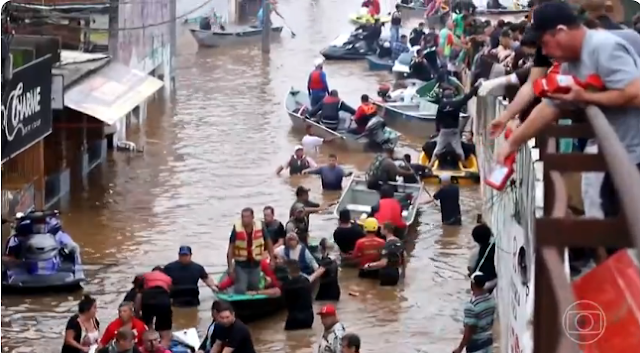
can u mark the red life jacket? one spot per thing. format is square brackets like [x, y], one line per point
[330, 99]
[156, 279]
[390, 210]
[315, 80]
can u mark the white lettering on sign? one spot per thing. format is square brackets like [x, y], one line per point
[20, 105]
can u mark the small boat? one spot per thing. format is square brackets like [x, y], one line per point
[359, 199]
[250, 308]
[296, 103]
[379, 64]
[363, 17]
[412, 9]
[231, 36]
[184, 341]
[34, 273]
[414, 107]
[449, 163]
[401, 67]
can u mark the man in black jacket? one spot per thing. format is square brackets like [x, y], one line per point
[331, 106]
[448, 121]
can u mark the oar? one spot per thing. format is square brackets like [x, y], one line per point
[421, 183]
[293, 34]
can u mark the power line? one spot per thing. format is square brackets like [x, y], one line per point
[175, 19]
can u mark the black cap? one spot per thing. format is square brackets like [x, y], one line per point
[301, 190]
[184, 250]
[549, 16]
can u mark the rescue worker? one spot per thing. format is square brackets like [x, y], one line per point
[392, 264]
[383, 170]
[365, 112]
[185, 275]
[317, 85]
[294, 250]
[448, 122]
[368, 248]
[298, 224]
[334, 330]
[155, 301]
[389, 210]
[331, 106]
[297, 162]
[247, 244]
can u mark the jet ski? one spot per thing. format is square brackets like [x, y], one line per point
[448, 162]
[347, 47]
[49, 259]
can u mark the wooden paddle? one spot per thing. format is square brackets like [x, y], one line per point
[293, 34]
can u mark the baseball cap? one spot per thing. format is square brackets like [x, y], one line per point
[318, 62]
[328, 310]
[298, 147]
[301, 190]
[550, 15]
[184, 250]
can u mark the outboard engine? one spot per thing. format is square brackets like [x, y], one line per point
[375, 131]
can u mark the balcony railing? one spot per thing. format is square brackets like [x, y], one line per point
[554, 231]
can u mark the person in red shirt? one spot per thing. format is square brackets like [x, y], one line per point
[365, 112]
[389, 210]
[368, 249]
[271, 287]
[374, 8]
[126, 319]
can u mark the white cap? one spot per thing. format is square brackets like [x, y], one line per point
[298, 147]
[445, 177]
[318, 62]
[386, 45]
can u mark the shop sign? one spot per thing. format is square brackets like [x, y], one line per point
[26, 107]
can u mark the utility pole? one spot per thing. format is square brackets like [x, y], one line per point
[113, 28]
[266, 28]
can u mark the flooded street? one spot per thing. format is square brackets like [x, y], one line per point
[214, 150]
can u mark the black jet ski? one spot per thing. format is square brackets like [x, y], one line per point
[49, 258]
[380, 137]
[347, 47]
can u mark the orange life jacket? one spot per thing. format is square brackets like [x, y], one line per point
[156, 279]
[390, 210]
[241, 249]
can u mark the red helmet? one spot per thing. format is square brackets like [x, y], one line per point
[383, 90]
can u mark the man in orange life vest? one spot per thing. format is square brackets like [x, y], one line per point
[155, 301]
[247, 245]
[368, 249]
[389, 210]
[317, 85]
[331, 106]
[365, 112]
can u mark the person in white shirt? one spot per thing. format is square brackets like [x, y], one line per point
[312, 143]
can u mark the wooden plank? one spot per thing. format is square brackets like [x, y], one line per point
[582, 232]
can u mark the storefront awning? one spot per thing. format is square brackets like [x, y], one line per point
[111, 93]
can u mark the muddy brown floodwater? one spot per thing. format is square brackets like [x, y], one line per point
[211, 152]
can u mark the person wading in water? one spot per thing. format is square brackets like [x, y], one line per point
[297, 162]
[274, 227]
[298, 294]
[334, 330]
[368, 249]
[392, 264]
[155, 301]
[299, 224]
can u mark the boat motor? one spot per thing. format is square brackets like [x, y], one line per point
[375, 131]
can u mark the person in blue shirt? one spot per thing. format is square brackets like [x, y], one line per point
[317, 85]
[330, 174]
[399, 48]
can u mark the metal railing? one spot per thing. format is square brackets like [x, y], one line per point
[554, 231]
[551, 231]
